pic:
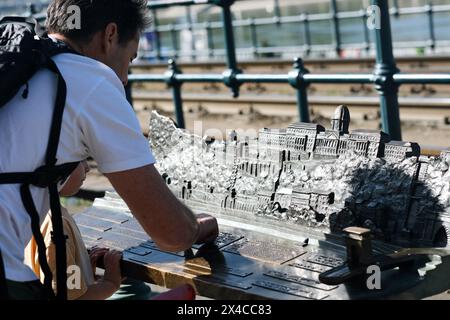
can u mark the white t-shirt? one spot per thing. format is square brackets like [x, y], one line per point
[98, 122]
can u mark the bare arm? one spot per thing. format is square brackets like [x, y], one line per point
[170, 224]
[110, 282]
[101, 290]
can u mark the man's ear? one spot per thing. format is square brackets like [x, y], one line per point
[110, 37]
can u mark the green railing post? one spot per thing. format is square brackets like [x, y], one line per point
[32, 10]
[276, 8]
[191, 30]
[384, 72]
[254, 37]
[296, 80]
[210, 36]
[230, 47]
[156, 40]
[173, 36]
[307, 31]
[366, 30]
[337, 32]
[431, 25]
[395, 10]
[170, 79]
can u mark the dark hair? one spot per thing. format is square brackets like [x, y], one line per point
[131, 17]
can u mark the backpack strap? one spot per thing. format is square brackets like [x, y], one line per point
[28, 203]
[42, 177]
[58, 236]
[48, 176]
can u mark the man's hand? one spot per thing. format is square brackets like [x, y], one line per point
[170, 224]
[208, 229]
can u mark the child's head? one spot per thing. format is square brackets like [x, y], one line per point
[75, 180]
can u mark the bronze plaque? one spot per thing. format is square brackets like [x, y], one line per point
[140, 251]
[291, 289]
[302, 264]
[109, 215]
[325, 260]
[117, 241]
[223, 240]
[93, 223]
[264, 251]
[130, 233]
[150, 244]
[229, 283]
[90, 244]
[309, 282]
[90, 234]
[201, 263]
[133, 225]
[235, 272]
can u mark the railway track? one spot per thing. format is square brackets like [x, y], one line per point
[412, 109]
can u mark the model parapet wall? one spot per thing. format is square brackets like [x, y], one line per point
[309, 176]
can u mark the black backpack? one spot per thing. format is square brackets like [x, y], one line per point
[25, 49]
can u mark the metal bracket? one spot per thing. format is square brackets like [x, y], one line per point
[359, 257]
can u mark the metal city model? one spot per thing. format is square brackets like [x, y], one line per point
[309, 177]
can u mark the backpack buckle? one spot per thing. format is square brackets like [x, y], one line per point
[45, 176]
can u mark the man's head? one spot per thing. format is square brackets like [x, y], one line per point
[109, 29]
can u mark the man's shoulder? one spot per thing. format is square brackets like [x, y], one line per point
[85, 72]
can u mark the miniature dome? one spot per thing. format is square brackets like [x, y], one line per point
[341, 119]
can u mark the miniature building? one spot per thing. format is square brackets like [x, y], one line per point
[283, 197]
[317, 201]
[246, 203]
[272, 138]
[231, 152]
[186, 190]
[233, 136]
[368, 143]
[327, 144]
[341, 120]
[219, 150]
[272, 144]
[300, 199]
[243, 150]
[203, 196]
[228, 203]
[400, 150]
[301, 137]
[264, 198]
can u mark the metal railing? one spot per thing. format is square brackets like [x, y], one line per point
[170, 33]
[257, 49]
[386, 77]
[26, 8]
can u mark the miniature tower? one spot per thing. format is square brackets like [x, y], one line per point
[341, 119]
[233, 135]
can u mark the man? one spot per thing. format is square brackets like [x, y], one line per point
[97, 122]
